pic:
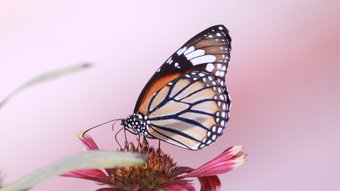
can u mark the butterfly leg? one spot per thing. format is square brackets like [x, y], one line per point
[116, 138]
[125, 136]
[145, 141]
[159, 146]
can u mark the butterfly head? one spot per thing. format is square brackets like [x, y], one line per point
[136, 124]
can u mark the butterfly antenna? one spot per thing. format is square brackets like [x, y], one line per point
[99, 126]
[113, 125]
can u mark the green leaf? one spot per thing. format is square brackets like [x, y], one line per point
[45, 77]
[85, 160]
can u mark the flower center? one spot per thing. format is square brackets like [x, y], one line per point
[158, 169]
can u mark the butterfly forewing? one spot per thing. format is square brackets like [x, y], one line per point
[192, 116]
[208, 51]
[186, 102]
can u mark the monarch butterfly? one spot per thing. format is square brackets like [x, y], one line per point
[186, 102]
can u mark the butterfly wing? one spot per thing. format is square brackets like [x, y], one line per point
[190, 111]
[208, 51]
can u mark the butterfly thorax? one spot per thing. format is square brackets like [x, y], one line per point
[136, 124]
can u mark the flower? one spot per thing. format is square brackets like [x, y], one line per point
[160, 172]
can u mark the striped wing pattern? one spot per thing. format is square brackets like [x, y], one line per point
[190, 111]
[207, 51]
[186, 102]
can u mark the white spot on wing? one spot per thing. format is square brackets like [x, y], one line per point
[219, 66]
[219, 130]
[222, 122]
[189, 50]
[177, 65]
[195, 53]
[224, 106]
[209, 67]
[201, 74]
[217, 73]
[168, 60]
[180, 51]
[195, 147]
[203, 59]
[223, 114]
[220, 73]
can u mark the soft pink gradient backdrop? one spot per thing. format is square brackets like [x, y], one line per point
[283, 78]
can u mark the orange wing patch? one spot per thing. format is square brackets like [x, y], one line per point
[155, 86]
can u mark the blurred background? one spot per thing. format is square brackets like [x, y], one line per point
[283, 78]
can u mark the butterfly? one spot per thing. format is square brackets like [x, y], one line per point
[186, 102]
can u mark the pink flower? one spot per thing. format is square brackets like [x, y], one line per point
[160, 172]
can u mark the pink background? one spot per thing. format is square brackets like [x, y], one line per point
[284, 82]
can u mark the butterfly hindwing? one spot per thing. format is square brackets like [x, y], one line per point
[208, 51]
[190, 111]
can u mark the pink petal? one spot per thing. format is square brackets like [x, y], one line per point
[210, 183]
[91, 174]
[177, 185]
[91, 145]
[228, 160]
[182, 170]
[88, 142]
